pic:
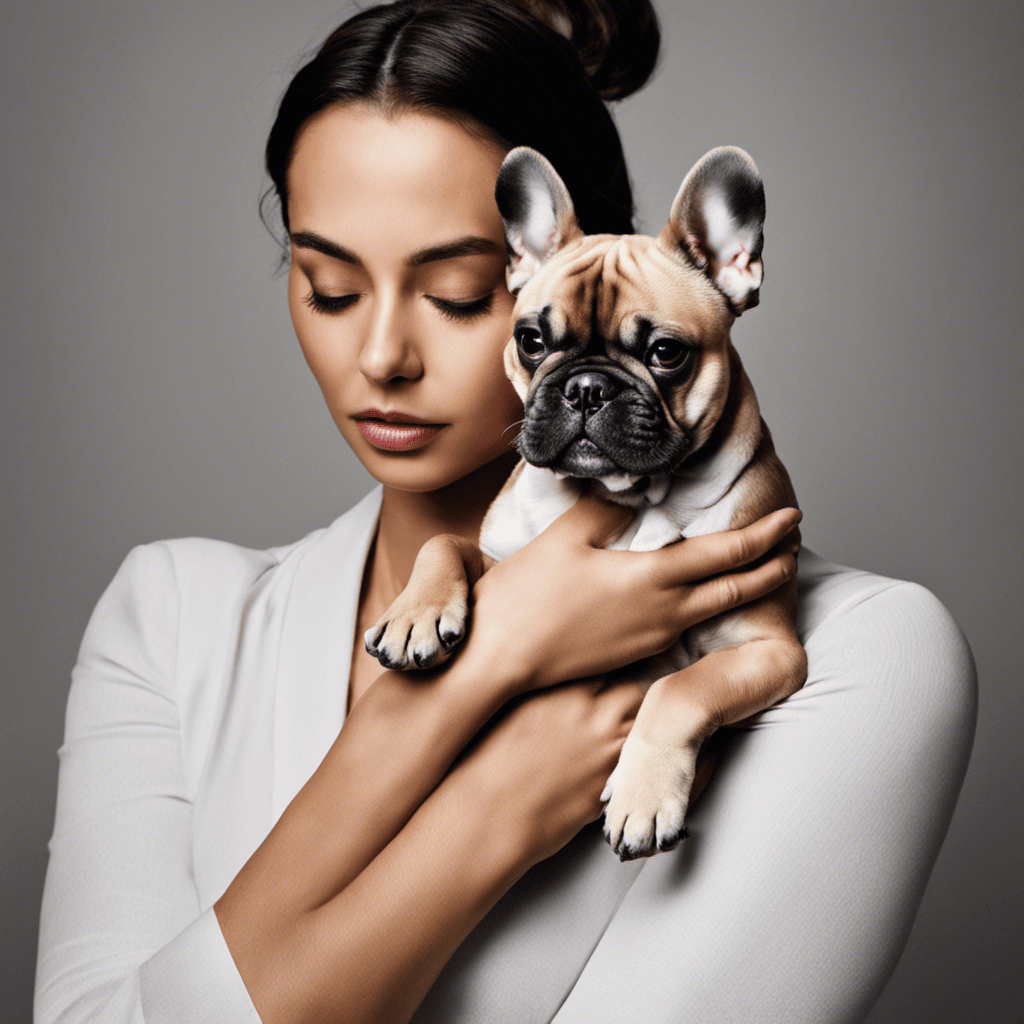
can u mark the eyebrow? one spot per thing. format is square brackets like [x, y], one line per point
[467, 245]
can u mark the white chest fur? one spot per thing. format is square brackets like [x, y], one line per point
[690, 507]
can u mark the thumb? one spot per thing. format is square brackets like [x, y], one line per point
[596, 521]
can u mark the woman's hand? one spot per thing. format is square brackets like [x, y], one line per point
[543, 760]
[563, 607]
[542, 763]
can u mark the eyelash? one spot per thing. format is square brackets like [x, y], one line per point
[329, 303]
[449, 310]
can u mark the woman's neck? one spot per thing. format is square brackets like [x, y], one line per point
[408, 519]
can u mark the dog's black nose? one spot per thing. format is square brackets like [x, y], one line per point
[588, 391]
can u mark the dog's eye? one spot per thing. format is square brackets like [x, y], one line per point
[529, 341]
[668, 354]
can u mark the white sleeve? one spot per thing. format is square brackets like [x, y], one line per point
[811, 847]
[122, 937]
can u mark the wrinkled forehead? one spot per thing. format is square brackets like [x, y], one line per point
[616, 281]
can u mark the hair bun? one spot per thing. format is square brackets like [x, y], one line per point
[617, 40]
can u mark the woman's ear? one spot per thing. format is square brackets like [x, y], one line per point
[717, 221]
[537, 210]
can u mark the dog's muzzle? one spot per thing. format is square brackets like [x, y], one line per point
[591, 421]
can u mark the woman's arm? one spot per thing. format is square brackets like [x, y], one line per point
[395, 746]
[120, 878]
[814, 841]
[302, 897]
[372, 952]
[123, 938]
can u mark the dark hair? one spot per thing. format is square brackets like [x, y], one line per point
[502, 70]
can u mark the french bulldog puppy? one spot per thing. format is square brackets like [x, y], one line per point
[631, 385]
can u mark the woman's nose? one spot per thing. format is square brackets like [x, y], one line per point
[388, 350]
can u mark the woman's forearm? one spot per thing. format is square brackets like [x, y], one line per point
[395, 747]
[372, 952]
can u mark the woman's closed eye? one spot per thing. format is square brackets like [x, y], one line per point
[448, 308]
[329, 303]
[463, 310]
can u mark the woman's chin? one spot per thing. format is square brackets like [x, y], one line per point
[422, 471]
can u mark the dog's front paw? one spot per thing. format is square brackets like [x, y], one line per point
[647, 795]
[411, 634]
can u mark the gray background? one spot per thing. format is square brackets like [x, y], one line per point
[155, 387]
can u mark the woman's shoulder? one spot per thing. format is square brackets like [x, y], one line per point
[208, 565]
[894, 635]
[199, 589]
[831, 594]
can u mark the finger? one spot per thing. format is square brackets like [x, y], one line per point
[712, 553]
[594, 520]
[731, 589]
[790, 542]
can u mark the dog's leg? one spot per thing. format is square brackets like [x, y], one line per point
[649, 790]
[425, 622]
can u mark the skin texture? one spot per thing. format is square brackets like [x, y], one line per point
[378, 869]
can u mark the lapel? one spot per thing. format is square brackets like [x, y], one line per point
[315, 654]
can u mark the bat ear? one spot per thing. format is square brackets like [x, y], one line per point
[537, 210]
[717, 221]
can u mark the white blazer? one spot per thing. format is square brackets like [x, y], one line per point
[212, 680]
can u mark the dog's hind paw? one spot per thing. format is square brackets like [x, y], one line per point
[647, 795]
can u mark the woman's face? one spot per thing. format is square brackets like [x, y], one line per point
[397, 290]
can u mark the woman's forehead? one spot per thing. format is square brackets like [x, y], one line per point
[353, 164]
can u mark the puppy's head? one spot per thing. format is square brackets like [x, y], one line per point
[620, 349]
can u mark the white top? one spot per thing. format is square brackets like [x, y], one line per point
[212, 680]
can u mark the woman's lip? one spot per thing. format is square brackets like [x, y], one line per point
[397, 436]
[394, 417]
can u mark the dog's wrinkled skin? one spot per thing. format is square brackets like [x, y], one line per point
[631, 385]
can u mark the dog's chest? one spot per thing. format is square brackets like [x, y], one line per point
[538, 497]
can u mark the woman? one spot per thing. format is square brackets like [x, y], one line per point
[222, 852]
